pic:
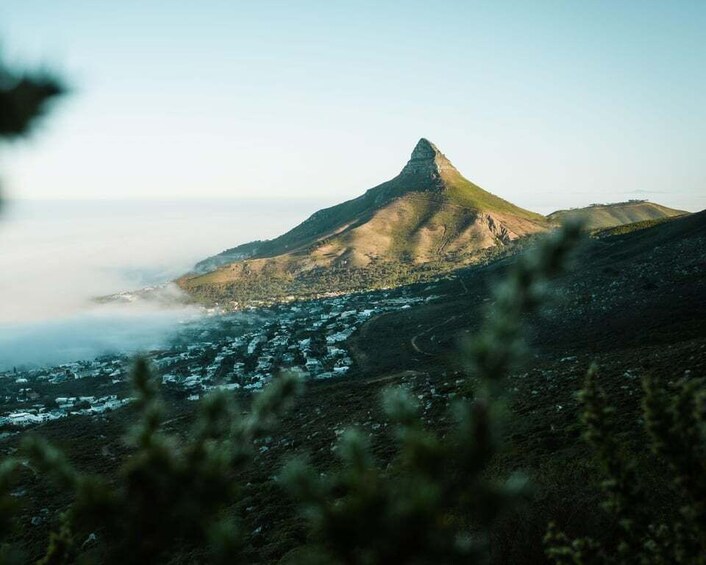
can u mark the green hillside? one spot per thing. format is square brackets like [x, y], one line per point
[598, 216]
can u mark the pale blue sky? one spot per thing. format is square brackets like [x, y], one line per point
[549, 104]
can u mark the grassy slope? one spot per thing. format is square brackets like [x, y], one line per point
[610, 215]
[629, 228]
[634, 304]
[468, 194]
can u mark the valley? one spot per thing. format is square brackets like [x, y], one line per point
[633, 303]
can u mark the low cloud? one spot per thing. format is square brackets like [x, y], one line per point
[125, 328]
[57, 257]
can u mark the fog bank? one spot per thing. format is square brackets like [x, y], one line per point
[57, 256]
[101, 330]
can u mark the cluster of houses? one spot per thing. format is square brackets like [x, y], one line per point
[242, 350]
[75, 405]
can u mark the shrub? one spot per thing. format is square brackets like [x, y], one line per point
[171, 489]
[675, 421]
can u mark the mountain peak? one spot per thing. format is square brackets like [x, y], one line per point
[426, 158]
[426, 214]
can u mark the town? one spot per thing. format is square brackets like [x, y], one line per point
[233, 351]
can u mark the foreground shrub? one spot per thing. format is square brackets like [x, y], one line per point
[24, 96]
[171, 489]
[675, 421]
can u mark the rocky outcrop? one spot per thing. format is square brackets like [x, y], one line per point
[427, 160]
[499, 231]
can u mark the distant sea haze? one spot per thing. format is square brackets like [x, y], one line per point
[56, 256]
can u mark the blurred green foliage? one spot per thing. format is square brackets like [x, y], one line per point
[675, 421]
[171, 490]
[24, 97]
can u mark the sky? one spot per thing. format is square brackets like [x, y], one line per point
[62, 254]
[549, 104]
[57, 256]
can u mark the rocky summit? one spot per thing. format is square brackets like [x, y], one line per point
[426, 159]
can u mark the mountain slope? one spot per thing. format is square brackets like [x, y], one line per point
[428, 214]
[598, 216]
[635, 290]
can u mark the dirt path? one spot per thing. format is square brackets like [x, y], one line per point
[413, 341]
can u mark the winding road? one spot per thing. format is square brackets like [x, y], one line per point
[413, 341]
